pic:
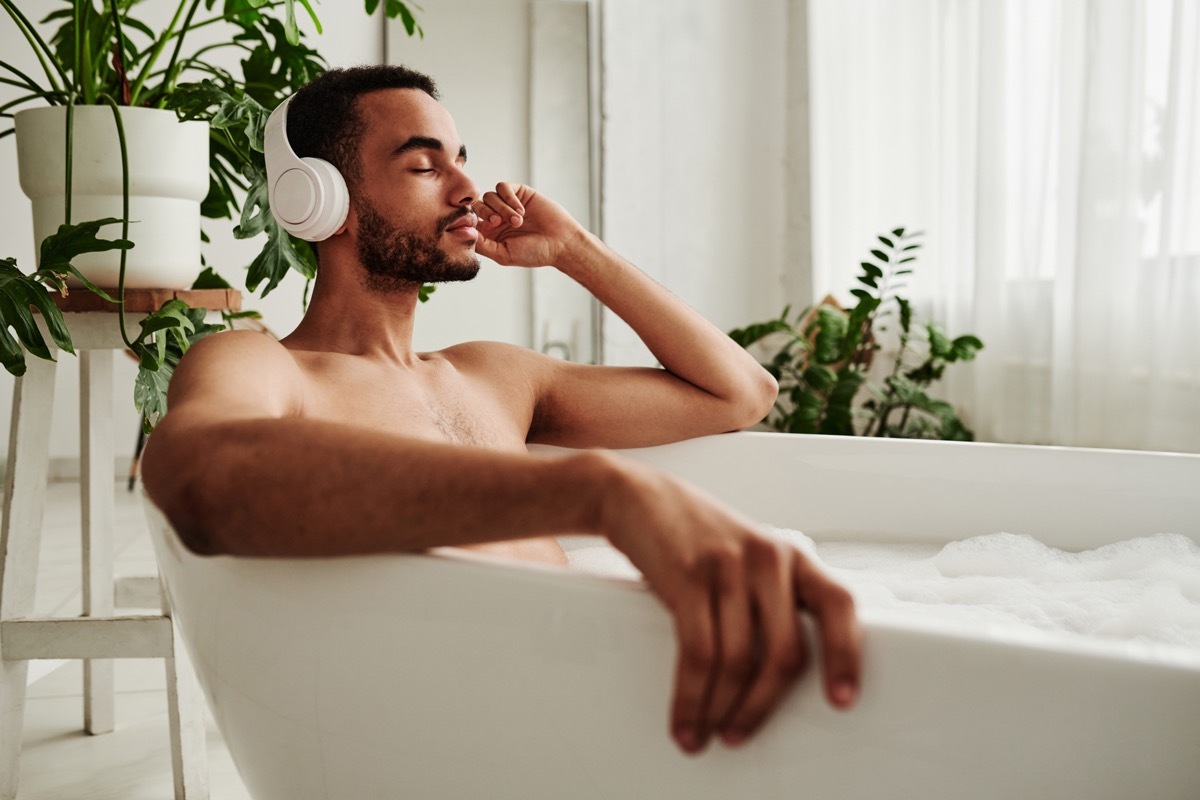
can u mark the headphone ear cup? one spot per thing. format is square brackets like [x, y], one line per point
[331, 201]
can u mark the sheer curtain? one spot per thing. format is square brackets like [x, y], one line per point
[1056, 155]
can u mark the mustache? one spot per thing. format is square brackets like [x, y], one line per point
[451, 218]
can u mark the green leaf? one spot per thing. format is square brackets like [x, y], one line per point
[964, 348]
[839, 418]
[905, 314]
[59, 249]
[209, 279]
[882, 256]
[753, 333]
[831, 326]
[173, 328]
[17, 315]
[886, 241]
[820, 377]
[898, 232]
[410, 23]
[939, 345]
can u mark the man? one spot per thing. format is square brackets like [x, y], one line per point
[356, 444]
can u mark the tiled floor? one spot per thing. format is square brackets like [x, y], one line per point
[61, 762]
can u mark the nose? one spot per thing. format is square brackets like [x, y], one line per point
[464, 192]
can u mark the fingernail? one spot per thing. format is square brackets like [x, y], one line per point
[843, 693]
[516, 220]
[692, 741]
[733, 738]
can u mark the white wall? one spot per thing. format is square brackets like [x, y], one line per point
[478, 52]
[695, 155]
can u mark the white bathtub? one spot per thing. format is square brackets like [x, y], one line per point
[458, 677]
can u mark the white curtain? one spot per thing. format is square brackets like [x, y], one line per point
[1051, 150]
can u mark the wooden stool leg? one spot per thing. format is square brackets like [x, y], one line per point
[185, 716]
[20, 537]
[97, 484]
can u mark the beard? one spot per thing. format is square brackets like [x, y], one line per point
[398, 260]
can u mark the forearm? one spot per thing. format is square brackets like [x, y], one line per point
[684, 342]
[295, 487]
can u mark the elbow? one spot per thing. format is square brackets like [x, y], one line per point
[175, 481]
[755, 399]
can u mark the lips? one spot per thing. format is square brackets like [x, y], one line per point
[466, 221]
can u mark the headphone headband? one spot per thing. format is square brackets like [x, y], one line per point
[307, 196]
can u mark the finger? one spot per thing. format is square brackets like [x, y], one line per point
[837, 629]
[694, 631]
[508, 193]
[734, 666]
[489, 249]
[784, 654]
[500, 207]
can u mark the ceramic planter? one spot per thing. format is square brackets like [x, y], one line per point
[168, 166]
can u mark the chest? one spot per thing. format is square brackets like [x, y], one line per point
[438, 403]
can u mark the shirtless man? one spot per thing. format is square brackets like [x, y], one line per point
[341, 440]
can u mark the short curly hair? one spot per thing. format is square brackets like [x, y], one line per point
[324, 120]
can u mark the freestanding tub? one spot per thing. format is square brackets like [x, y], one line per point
[444, 676]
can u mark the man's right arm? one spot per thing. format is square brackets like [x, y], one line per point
[237, 470]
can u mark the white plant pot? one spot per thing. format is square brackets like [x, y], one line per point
[168, 177]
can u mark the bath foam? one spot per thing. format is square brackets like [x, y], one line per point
[1145, 589]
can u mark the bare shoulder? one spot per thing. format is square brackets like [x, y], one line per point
[238, 370]
[499, 356]
[517, 374]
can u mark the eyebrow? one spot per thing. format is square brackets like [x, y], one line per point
[426, 143]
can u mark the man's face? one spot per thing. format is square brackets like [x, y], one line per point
[410, 209]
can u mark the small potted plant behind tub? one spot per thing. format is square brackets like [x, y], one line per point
[140, 140]
[823, 358]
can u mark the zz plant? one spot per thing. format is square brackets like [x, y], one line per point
[823, 357]
[105, 55]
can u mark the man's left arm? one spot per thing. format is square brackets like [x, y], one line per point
[708, 383]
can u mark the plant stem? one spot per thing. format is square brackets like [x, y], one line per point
[80, 33]
[122, 78]
[158, 48]
[70, 159]
[124, 213]
[214, 20]
[171, 75]
[39, 46]
[26, 83]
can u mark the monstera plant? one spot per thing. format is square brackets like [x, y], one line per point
[101, 54]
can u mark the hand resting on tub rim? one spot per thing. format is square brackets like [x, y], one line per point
[341, 439]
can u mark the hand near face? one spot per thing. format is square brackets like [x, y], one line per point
[520, 228]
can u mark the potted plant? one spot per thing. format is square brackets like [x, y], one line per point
[105, 74]
[823, 357]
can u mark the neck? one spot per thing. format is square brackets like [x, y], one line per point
[344, 316]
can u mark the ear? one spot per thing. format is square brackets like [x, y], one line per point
[350, 221]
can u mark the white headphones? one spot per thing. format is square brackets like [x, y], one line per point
[308, 196]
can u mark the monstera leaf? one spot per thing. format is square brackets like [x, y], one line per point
[21, 293]
[166, 336]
